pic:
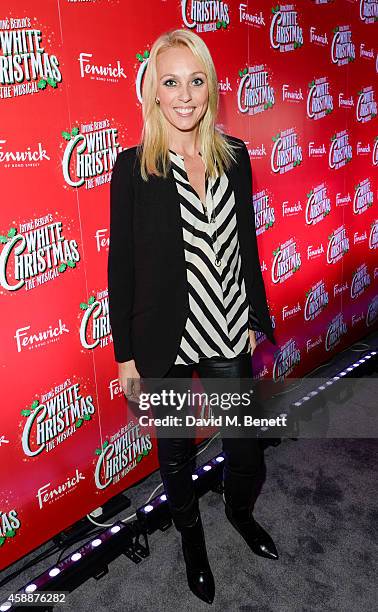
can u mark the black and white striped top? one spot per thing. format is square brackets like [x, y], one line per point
[219, 313]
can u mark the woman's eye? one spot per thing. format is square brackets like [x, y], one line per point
[173, 81]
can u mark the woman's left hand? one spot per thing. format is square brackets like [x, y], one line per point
[252, 339]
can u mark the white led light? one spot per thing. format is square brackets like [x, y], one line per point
[322, 387]
[115, 529]
[76, 556]
[349, 369]
[264, 428]
[163, 497]
[343, 373]
[194, 476]
[373, 353]
[54, 572]
[219, 459]
[362, 360]
[30, 588]
[96, 542]
[329, 382]
[336, 378]
[305, 398]
[207, 468]
[5, 606]
[148, 508]
[313, 393]
[298, 404]
[368, 357]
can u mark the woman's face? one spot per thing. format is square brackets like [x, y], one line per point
[182, 88]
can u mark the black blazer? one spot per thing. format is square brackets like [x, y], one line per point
[147, 282]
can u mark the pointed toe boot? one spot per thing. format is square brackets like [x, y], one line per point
[198, 571]
[259, 541]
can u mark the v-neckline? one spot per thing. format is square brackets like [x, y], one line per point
[204, 205]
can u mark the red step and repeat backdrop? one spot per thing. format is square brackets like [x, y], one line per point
[298, 83]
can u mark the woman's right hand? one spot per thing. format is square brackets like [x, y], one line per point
[129, 379]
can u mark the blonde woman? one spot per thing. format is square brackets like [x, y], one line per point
[185, 285]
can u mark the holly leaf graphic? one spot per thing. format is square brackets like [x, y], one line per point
[52, 82]
[98, 451]
[224, 25]
[71, 264]
[2, 540]
[62, 267]
[245, 70]
[42, 84]
[66, 135]
[87, 417]
[79, 423]
[3, 239]
[139, 458]
[91, 299]
[12, 232]
[240, 73]
[74, 131]
[219, 25]
[10, 533]
[146, 54]
[25, 412]
[106, 443]
[34, 404]
[83, 306]
[139, 57]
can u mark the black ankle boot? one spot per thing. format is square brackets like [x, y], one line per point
[198, 571]
[256, 537]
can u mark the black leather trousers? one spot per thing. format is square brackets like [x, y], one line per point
[243, 465]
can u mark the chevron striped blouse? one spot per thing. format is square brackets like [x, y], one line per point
[219, 310]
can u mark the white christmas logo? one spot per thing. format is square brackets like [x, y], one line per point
[340, 151]
[122, 453]
[343, 49]
[25, 65]
[318, 204]
[35, 253]
[366, 107]
[286, 151]
[287, 261]
[255, 94]
[335, 331]
[373, 236]
[285, 31]
[338, 245]
[317, 299]
[95, 325]
[205, 16]
[360, 281]
[288, 357]
[369, 11]
[264, 211]
[372, 312]
[90, 154]
[9, 525]
[363, 197]
[319, 99]
[59, 414]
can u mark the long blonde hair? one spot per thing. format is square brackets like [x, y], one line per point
[153, 150]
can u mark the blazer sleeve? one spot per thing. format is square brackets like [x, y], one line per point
[253, 320]
[120, 257]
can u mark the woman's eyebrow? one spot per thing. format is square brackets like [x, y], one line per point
[175, 75]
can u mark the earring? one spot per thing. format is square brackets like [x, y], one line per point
[157, 101]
